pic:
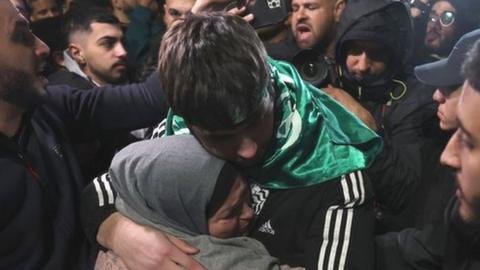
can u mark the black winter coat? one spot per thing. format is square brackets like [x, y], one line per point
[450, 245]
[40, 176]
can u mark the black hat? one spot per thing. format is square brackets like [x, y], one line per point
[447, 72]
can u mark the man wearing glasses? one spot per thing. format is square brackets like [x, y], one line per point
[447, 22]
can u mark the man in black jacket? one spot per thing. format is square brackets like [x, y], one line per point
[40, 177]
[454, 243]
[97, 58]
[374, 41]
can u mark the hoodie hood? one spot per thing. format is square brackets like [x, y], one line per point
[382, 21]
[166, 181]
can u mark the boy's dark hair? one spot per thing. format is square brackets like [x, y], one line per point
[80, 18]
[213, 68]
[471, 66]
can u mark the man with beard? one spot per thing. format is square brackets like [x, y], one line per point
[437, 184]
[447, 22]
[373, 45]
[94, 40]
[39, 173]
[314, 24]
[455, 243]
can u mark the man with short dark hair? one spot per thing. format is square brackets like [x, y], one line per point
[42, 9]
[41, 180]
[94, 41]
[304, 152]
[454, 243]
[447, 21]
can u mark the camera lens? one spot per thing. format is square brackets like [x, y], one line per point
[312, 67]
[310, 70]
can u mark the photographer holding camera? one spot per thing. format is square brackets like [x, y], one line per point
[372, 48]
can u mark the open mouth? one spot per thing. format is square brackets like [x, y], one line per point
[432, 36]
[303, 31]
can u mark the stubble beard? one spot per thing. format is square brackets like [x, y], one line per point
[20, 88]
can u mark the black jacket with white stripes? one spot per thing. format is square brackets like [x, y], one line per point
[326, 226]
[40, 176]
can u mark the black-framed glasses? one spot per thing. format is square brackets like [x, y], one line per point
[446, 19]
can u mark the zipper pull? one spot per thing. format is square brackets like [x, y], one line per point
[29, 166]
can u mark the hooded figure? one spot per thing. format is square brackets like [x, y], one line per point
[380, 21]
[401, 106]
[174, 185]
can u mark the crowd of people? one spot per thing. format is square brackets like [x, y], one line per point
[145, 134]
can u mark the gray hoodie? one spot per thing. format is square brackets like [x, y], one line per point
[167, 183]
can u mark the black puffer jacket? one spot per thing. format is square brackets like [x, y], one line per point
[401, 106]
[41, 181]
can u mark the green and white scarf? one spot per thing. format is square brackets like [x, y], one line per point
[317, 139]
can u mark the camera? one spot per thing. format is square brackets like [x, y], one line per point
[316, 69]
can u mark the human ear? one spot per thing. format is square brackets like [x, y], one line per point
[338, 9]
[77, 53]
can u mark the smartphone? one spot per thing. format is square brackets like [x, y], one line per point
[265, 12]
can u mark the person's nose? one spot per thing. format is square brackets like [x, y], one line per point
[41, 49]
[247, 212]
[120, 51]
[300, 14]
[183, 15]
[438, 96]
[363, 63]
[433, 24]
[247, 149]
[450, 155]
[50, 14]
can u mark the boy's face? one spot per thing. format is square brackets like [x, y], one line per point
[233, 217]
[246, 144]
[447, 107]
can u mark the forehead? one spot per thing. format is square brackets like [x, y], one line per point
[442, 6]
[468, 110]
[130, 2]
[320, 2]
[43, 3]
[180, 3]
[9, 16]
[263, 109]
[365, 45]
[100, 30]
